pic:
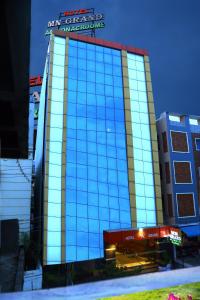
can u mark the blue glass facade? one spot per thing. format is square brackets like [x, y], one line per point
[97, 195]
[97, 174]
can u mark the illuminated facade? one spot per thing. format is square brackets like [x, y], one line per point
[99, 159]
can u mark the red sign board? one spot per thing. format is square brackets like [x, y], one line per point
[113, 237]
[76, 12]
[35, 81]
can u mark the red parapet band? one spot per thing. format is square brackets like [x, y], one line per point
[101, 42]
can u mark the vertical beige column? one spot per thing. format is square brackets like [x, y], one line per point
[63, 183]
[47, 138]
[154, 143]
[129, 139]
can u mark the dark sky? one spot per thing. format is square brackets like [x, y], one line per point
[168, 29]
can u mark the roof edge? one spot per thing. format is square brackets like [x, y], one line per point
[100, 42]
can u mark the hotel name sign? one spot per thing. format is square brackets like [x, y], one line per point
[76, 20]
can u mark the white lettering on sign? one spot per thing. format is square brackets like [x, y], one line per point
[129, 238]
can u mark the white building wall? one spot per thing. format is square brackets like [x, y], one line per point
[15, 185]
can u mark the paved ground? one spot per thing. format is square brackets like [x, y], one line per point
[112, 287]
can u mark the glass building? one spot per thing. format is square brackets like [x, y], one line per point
[96, 152]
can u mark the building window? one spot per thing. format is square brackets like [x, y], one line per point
[164, 141]
[167, 172]
[182, 172]
[185, 204]
[174, 118]
[197, 142]
[179, 141]
[194, 121]
[169, 205]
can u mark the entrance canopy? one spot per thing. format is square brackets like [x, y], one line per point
[120, 236]
[191, 231]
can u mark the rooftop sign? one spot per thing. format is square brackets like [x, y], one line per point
[76, 21]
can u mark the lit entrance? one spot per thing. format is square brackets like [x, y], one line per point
[146, 248]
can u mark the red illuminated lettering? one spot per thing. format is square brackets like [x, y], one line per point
[76, 12]
[35, 81]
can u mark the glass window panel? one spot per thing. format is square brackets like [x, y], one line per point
[139, 177]
[140, 191]
[99, 56]
[113, 202]
[139, 66]
[149, 191]
[93, 212]
[92, 186]
[93, 199]
[55, 182]
[142, 96]
[134, 95]
[99, 67]
[53, 255]
[124, 204]
[70, 195]
[104, 225]
[82, 64]
[71, 209]
[91, 76]
[112, 176]
[144, 118]
[92, 159]
[148, 167]
[147, 156]
[55, 147]
[93, 225]
[99, 78]
[58, 82]
[94, 253]
[103, 188]
[82, 185]
[82, 224]
[141, 216]
[82, 86]
[108, 69]
[90, 65]
[91, 99]
[82, 253]
[82, 210]
[140, 202]
[82, 53]
[102, 175]
[82, 197]
[59, 40]
[71, 253]
[93, 240]
[125, 217]
[90, 55]
[73, 51]
[82, 238]
[100, 100]
[70, 237]
[72, 84]
[103, 214]
[59, 59]
[103, 201]
[150, 204]
[58, 71]
[140, 76]
[108, 79]
[143, 107]
[146, 145]
[151, 218]
[71, 169]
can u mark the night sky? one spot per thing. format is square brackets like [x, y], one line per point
[168, 29]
